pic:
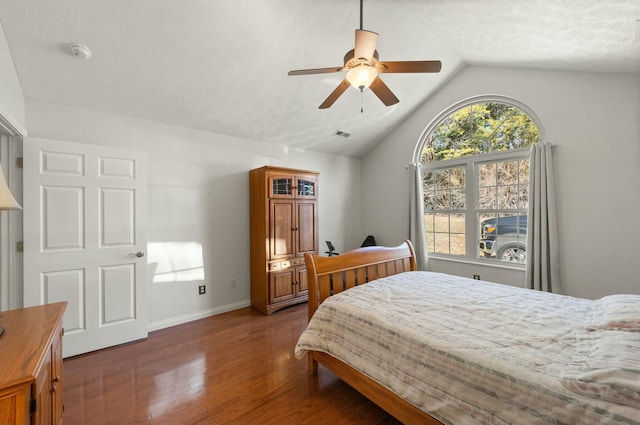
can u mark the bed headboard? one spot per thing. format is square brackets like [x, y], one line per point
[327, 276]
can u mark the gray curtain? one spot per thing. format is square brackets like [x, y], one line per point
[416, 216]
[542, 271]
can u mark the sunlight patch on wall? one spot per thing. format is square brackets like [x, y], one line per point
[176, 261]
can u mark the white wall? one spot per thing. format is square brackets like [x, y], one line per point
[594, 120]
[199, 193]
[11, 99]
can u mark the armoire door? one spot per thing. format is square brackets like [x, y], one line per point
[281, 228]
[306, 227]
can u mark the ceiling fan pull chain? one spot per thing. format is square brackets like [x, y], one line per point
[362, 101]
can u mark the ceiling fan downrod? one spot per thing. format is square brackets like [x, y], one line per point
[361, 14]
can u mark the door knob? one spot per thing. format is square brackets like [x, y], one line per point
[137, 254]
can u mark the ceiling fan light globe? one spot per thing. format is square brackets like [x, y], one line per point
[361, 76]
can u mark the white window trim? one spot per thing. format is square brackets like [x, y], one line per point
[471, 201]
[422, 140]
[470, 248]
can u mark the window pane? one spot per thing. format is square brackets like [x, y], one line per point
[441, 243]
[458, 199]
[445, 233]
[510, 188]
[457, 177]
[430, 242]
[487, 198]
[508, 197]
[457, 244]
[429, 200]
[507, 172]
[441, 179]
[441, 223]
[487, 175]
[428, 222]
[429, 180]
[456, 223]
[524, 171]
[441, 200]
[524, 197]
[503, 237]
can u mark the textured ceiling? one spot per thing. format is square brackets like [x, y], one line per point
[221, 66]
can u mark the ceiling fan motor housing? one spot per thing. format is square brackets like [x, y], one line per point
[351, 61]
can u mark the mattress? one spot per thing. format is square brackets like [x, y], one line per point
[469, 352]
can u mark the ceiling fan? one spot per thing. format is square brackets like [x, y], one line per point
[362, 66]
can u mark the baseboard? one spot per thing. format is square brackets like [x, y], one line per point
[197, 315]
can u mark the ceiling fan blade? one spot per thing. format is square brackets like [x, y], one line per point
[383, 92]
[410, 66]
[366, 42]
[335, 94]
[315, 71]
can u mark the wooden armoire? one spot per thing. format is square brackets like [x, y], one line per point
[284, 226]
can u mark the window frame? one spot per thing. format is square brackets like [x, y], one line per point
[472, 226]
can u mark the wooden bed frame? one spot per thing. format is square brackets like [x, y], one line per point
[327, 276]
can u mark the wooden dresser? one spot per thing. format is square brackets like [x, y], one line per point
[284, 226]
[31, 365]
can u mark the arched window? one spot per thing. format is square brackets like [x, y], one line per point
[475, 168]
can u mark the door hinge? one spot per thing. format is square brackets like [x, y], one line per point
[33, 405]
[20, 246]
[19, 162]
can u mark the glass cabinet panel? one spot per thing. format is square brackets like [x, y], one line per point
[306, 187]
[281, 186]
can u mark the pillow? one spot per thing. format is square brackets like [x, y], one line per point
[619, 312]
[606, 366]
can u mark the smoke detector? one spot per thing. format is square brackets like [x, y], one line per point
[80, 51]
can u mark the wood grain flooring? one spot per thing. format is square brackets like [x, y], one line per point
[233, 368]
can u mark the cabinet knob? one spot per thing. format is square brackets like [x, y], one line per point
[54, 381]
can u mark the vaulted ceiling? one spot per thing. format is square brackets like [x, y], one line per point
[221, 66]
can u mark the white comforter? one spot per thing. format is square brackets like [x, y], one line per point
[470, 352]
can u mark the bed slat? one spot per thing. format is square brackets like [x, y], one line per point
[325, 287]
[337, 283]
[372, 273]
[382, 270]
[391, 268]
[350, 279]
[361, 275]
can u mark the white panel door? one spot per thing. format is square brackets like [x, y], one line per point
[85, 236]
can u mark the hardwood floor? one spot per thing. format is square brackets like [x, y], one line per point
[234, 368]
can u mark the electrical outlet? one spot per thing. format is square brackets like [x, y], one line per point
[202, 290]
[233, 284]
[476, 276]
